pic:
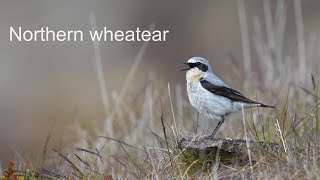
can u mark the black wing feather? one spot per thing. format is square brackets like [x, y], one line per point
[226, 92]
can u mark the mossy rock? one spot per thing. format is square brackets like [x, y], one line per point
[206, 152]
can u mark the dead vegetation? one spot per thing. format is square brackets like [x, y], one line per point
[142, 131]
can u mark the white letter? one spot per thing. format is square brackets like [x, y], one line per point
[12, 30]
[95, 36]
[42, 34]
[35, 35]
[129, 35]
[164, 34]
[118, 34]
[138, 34]
[75, 35]
[106, 33]
[25, 34]
[50, 32]
[61, 35]
[145, 34]
[156, 35]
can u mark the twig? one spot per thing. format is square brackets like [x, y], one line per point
[121, 142]
[132, 161]
[70, 162]
[165, 137]
[44, 152]
[83, 161]
[174, 118]
[247, 142]
[280, 133]
[91, 152]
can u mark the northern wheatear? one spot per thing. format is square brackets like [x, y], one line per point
[210, 95]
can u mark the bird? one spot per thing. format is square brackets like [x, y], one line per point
[211, 96]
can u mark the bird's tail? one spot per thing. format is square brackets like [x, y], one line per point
[266, 106]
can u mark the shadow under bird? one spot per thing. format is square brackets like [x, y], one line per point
[210, 95]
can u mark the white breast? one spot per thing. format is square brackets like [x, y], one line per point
[208, 104]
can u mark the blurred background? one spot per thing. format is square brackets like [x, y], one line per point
[50, 85]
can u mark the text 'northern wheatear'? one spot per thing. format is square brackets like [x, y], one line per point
[210, 95]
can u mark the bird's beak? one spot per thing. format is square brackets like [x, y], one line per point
[186, 69]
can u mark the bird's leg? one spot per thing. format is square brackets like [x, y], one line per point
[216, 129]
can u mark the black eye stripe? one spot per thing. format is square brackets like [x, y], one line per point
[192, 65]
[203, 67]
[199, 65]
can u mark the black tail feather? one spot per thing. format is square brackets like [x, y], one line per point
[266, 106]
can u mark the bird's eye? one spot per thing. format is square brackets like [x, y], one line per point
[198, 63]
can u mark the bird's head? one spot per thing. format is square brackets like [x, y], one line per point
[198, 63]
[197, 68]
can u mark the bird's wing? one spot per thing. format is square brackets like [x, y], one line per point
[226, 92]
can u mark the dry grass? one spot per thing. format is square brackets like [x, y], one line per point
[142, 127]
